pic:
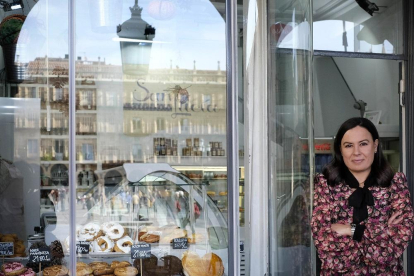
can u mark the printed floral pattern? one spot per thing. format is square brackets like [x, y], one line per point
[380, 251]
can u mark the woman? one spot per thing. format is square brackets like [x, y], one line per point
[362, 219]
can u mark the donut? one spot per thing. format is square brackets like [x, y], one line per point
[13, 269]
[83, 270]
[103, 244]
[55, 270]
[113, 230]
[116, 264]
[103, 271]
[89, 231]
[126, 271]
[28, 272]
[123, 245]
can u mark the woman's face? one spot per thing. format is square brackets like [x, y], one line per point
[358, 149]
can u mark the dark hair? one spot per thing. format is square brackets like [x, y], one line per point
[380, 168]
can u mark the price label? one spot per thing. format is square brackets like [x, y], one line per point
[141, 251]
[180, 243]
[39, 255]
[6, 248]
[82, 247]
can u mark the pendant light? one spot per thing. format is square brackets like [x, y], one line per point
[135, 36]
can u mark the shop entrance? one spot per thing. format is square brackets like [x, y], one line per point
[352, 87]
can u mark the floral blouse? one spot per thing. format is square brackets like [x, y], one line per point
[381, 248]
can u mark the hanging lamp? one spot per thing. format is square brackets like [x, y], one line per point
[135, 36]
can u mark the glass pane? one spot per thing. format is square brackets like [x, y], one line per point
[151, 133]
[289, 90]
[344, 26]
[34, 191]
[339, 104]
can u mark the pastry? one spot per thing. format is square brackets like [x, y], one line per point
[223, 193]
[170, 234]
[19, 247]
[123, 245]
[172, 264]
[7, 238]
[148, 263]
[56, 270]
[28, 272]
[13, 269]
[98, 265]
[196, 238]
[211, 193]
[208, 265]
[103, 271]
[83, 270]
[56, 249]
[116, 264]
[89, 232]
[149, 238]
[126, 271]
[81, 264]
[113, 230]
[103, 244]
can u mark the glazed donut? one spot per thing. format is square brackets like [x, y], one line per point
[113, 230]
[123, 245]
[103, 244]
[89, 232]
[126, 271]
[13, 269]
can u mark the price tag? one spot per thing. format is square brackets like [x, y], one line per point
[82, 247]
[6, 248]
[39, 255]
[180, 243]
[141, 251]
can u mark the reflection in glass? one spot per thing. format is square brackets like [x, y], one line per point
[290, 64]
[346, 27]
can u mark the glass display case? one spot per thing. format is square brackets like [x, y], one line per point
[155, 205]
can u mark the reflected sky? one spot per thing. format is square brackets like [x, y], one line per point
[193, 31]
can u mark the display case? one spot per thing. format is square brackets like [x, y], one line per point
[152, 205]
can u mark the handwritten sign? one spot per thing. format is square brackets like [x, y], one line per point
[180, 243]
[141, 251]
[39, 255]
[6, 248]
[82, 247]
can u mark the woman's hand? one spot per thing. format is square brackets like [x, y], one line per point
[395, 219]
[341, 229]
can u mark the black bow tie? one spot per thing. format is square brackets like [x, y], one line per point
[361, 197]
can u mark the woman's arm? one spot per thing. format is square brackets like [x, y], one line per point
[385, 241]
[328, 243]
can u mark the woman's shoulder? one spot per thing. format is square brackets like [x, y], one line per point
[399, 179]
[320, 179]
